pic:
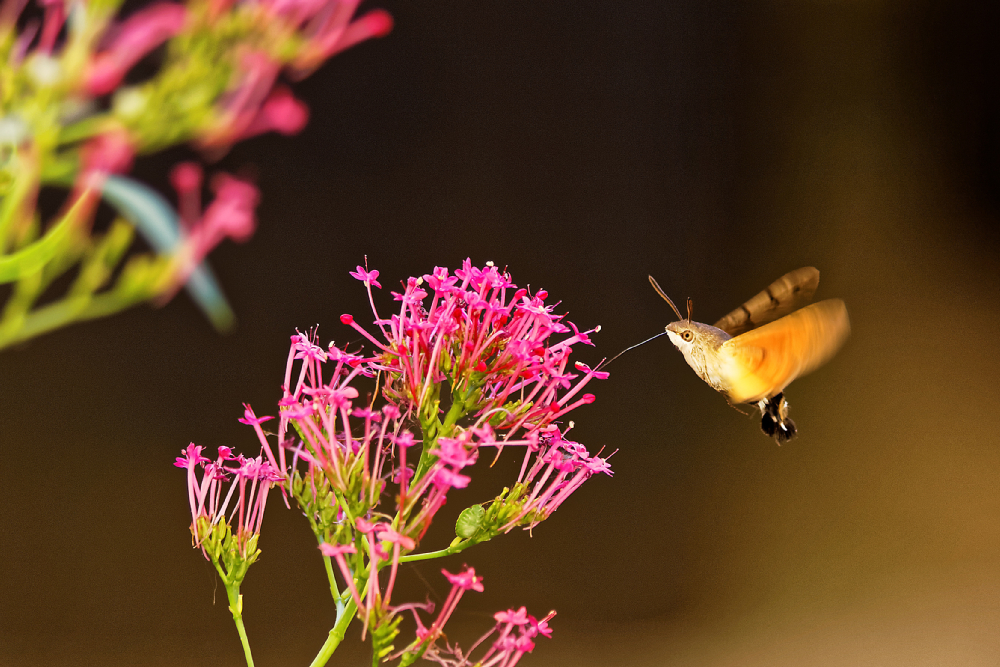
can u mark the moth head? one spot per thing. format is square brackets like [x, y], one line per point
[687, 335]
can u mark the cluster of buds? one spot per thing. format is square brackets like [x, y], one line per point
[69, 119]
[370, 480]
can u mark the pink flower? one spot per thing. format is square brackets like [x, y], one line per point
[363, 525]
[387, 534]
[365, 276]
[241, 105]
[137, 36]
[281, 112]
[190, 457]
[448, 479]
[452, 451]
[332, 31]
[440, 279]
[250, 418]
[466, 580]
[231, 214]
[334, 550]
[512, 616]
[542, 627]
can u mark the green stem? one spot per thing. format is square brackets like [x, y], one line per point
[236, 606]
[436, 428]
[334, 589]
[86, 128]
[455, 412]
[453, 549]
[336, 635]
[70, 309]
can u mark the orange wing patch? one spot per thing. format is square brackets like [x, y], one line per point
[762, 362]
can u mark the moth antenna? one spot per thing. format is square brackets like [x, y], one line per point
[608, 362]
[690, 308]
[659, 290]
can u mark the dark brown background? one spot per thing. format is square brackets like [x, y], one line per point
[584, 145]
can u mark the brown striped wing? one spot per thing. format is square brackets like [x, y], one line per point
[790, 291]
[762, 362]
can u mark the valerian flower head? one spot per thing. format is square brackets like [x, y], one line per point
[226, 522]
[495, 344]
[505, 357]
[75, 114]
[371, 475]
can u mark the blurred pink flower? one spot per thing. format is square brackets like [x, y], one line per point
[281, 112]
[134, 38]
[330, 30]
[107, 153]
[240, 106]
[230, 215]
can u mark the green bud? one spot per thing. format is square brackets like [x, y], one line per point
[470, 521]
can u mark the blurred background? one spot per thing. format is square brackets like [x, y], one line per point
[584, 145]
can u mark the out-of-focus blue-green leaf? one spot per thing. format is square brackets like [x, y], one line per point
[157, 221]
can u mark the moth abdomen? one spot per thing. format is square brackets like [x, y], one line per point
[774, 419]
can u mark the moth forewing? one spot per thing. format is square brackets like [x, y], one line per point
[790, 291]
[762, 362]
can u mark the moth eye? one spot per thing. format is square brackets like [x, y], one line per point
[687, 336]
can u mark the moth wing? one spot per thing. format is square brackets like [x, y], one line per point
[762, 362]
[790, 291]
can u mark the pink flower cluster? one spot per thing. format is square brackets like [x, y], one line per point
[326, 27]
[559, 468]
[218, 83]
[491, 339]
[371, 480]
[250, 478]
[493, 342]
[357, 448]
[515, 630]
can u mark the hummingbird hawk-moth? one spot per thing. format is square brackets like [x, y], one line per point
[754, 352]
